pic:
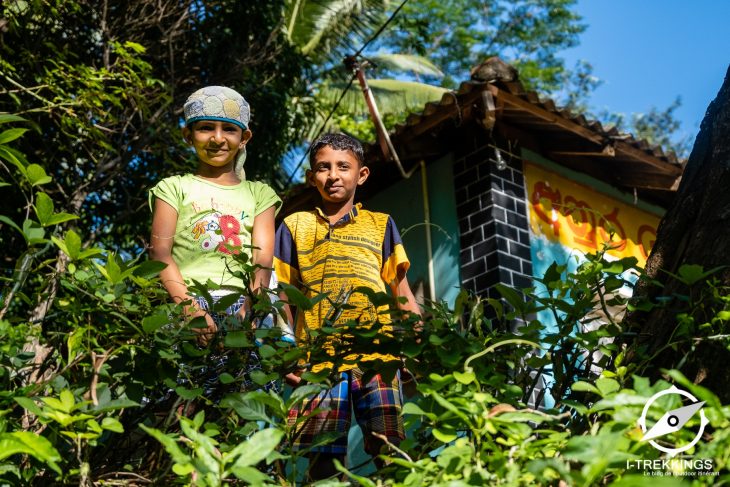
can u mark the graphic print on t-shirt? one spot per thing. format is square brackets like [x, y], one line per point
[217, 232]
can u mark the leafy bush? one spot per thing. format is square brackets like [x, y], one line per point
[102, 377]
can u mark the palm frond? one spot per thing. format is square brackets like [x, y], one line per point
[392, 96]
[324, 28]
[406, 63]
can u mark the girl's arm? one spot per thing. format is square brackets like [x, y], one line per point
[262, 239]
[164, 224]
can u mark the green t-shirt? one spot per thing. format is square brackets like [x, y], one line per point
[210, 215]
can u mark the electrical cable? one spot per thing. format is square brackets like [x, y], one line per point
[381, 29]
[321, 129]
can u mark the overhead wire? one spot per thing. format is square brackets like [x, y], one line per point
[321, 129]
[344, 91]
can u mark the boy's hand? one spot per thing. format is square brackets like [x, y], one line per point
[408, 383]
[294, 378]
[204, 334]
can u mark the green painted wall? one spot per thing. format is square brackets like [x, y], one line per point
[404, 202]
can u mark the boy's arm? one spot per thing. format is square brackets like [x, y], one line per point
[400, 288]
[284, 250]
[164, 224]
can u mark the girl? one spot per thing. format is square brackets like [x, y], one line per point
[200, 220]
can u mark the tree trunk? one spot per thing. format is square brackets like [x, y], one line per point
[696, 230]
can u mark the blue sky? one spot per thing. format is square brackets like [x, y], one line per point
[648, 52]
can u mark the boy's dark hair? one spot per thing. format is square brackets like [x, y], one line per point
[337, 142]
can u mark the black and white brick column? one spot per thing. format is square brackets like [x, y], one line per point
[493, 222]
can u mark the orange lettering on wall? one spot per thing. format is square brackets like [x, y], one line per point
[646, 232]
[544, 191]
[581, 220]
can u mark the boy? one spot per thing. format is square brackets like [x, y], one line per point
[332, 250]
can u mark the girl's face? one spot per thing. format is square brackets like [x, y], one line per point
[216, 142]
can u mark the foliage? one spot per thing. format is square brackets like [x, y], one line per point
[104, 83]
[458, 35]
[659, 127]
[118, 391]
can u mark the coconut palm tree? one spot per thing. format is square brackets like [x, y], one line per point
[328, 30]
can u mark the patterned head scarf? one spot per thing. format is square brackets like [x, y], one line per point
[220, 103]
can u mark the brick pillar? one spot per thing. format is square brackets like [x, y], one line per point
[493, 222]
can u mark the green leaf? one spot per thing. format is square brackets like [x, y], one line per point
[14, 157]
[444, 433]
[112, 424]
[37, 175]
[296, 298]
[226, 378]
[33, 232]
[149, 269]
[73, 244]
[74, 342]
[237, 339]
[579, 407]
[582, 386]
[415, 409]
[226, 302]
[11, 134]
[464, 377]
[8, 117]
[43, 208]
[514, 298]
[188, 394]
[607, 386]
[115, 404]
[256, 448]
[170, 445]
[251, 475]
[29, 405]
[67, 400]
[364, 481]
[61, 217]
[11, 223]
[26, 442]
[138, 48]
[154, 322]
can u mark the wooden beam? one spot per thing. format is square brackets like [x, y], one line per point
[547, 116]
[607, 151]
[634, 153]
[554, 118]
[643, 180]
[443, 113]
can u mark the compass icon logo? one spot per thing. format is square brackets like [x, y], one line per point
[672, 421]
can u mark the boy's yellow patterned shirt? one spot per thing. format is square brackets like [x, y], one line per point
[363, 249]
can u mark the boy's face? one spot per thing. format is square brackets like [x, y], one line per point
[215, 142]
[336, 174]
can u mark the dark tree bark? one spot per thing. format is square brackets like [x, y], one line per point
[696, 230]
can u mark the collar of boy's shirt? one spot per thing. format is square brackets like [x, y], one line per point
[346, 218]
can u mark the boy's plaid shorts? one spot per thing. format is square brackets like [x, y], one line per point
[377, 406]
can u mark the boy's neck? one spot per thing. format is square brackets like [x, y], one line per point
[224, 175]
[335, 211]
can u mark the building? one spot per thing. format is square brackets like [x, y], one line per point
[495, 183]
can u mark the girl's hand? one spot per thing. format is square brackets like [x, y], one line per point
[241, 314]
[205, 335]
